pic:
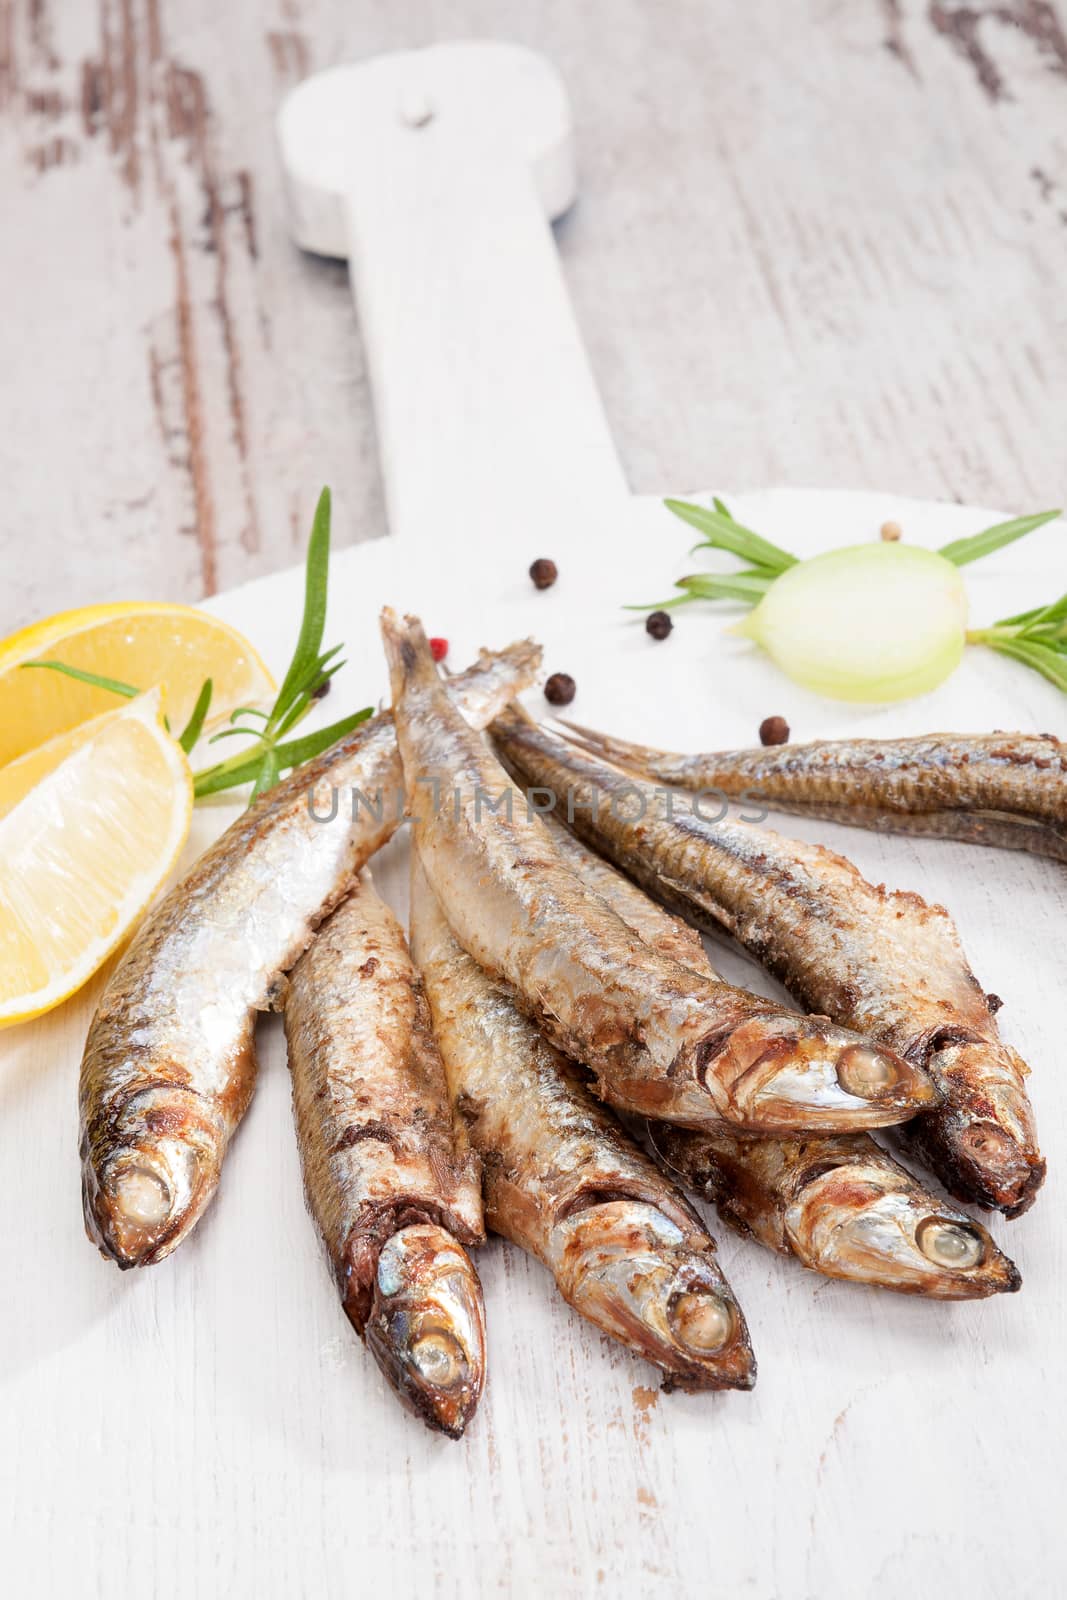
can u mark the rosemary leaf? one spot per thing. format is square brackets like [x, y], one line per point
[663, 605]
[723, 533]
[302, 706]
[195, 726]
[1052, 664]
[249, 733]
[245, 766]
[328, 655]
[961, 551]
[309, 641]
[748, 586]
[1045, 617]
[267, 776]
[296, 751]
[112, 685]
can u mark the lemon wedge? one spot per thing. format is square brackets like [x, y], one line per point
[140, 643]
[91, 825]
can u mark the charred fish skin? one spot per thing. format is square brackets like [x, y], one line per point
[169, 1066]
[838, 1203]
[1007, 790]
[564, 1183]
[394, 1190]
[983, 1142]
[660, 1039]
[884, 963]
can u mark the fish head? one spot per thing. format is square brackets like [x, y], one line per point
[875, 1225]
[632, 1271]
[985, 1138]
[144, 1201]
[787, 1071]
[426, 1327]
[156, 1175]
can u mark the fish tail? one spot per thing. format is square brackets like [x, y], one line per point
[522, 655]
[638, 759]
[407, 650]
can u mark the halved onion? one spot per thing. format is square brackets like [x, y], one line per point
[872, 622]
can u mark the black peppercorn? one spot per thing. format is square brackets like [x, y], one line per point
[658, 624]
[560, 689]
[774, 730]
[544, 573]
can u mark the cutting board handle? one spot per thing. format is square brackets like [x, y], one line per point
[437, 173]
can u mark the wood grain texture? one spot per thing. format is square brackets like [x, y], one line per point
[819, 247]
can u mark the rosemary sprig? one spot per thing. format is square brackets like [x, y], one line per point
[244, 767]
[749, 586]
[765, 561]
[722, 532]
[310, 669]
[306, 665]
[309, 672]
[1037, 638]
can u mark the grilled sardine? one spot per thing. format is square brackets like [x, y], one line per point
[1006, 789]
[393, 1188]
[564, 1182]
[169, 1066]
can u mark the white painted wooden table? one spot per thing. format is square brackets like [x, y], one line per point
[211, 1426]
[818, 243]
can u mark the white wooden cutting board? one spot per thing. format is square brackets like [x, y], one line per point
[211, 1426]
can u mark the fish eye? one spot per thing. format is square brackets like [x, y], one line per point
[142, 1196]
[866, 1073]
[949, 1244]
[439, 1359]
[702, 1322]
